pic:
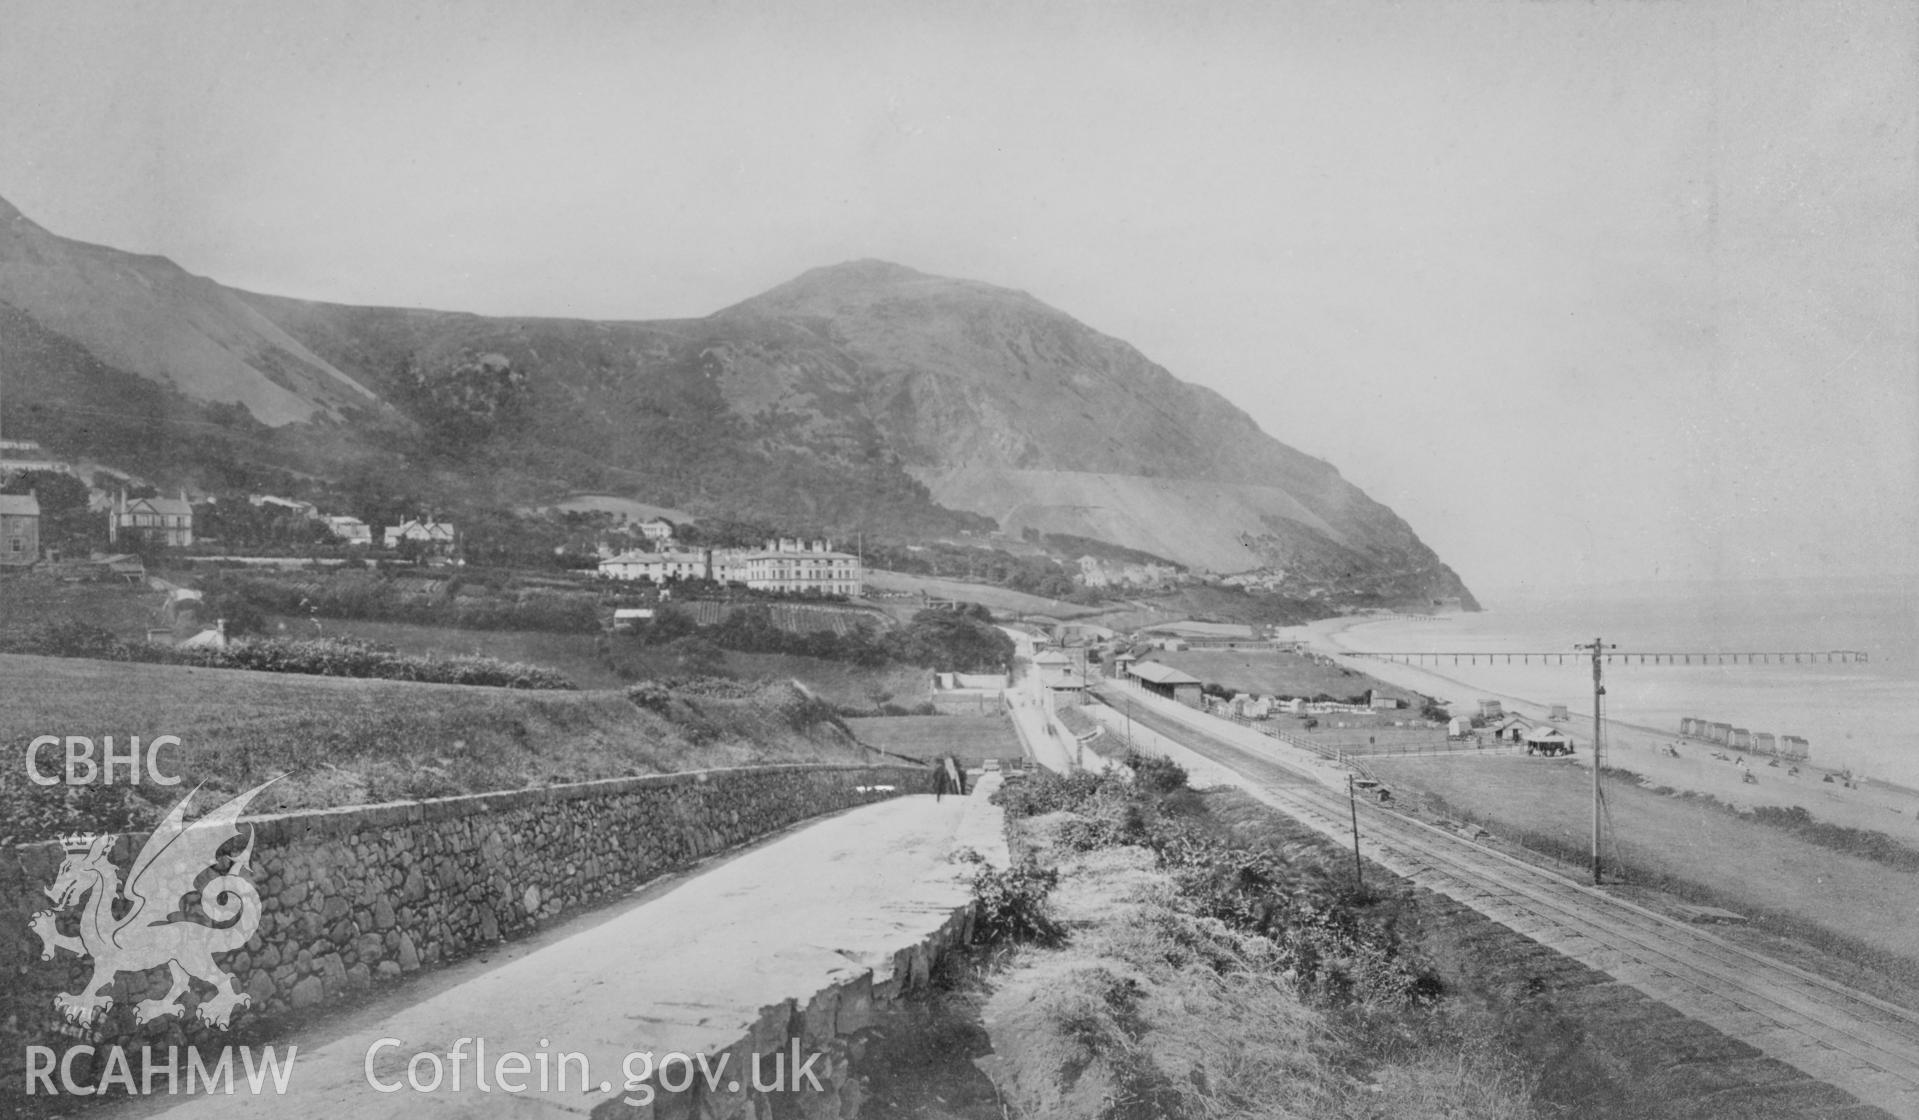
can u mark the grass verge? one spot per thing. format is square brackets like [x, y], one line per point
[1173, 973]
[348, 742]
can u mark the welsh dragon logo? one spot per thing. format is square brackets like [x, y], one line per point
[147, 934]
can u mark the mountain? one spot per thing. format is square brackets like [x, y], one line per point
[1007, 407]
[148, 316]
[861, 396]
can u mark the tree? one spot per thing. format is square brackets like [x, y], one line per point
[65, 520]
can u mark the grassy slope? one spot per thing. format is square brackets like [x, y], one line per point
[1149, 1011]
[1742, 864]
[346, 742]
[967, 738]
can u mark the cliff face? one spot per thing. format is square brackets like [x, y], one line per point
[1007, 407]
[863, 395]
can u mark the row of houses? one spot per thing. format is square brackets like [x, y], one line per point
[169, 521]
[783, 565]
[426, 531]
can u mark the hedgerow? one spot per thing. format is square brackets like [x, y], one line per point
[327, 657]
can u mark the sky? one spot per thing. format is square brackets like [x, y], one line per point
[1585, 292]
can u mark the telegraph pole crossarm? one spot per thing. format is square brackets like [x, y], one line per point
[1598, 649]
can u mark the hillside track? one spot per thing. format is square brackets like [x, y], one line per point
[1846, 1038]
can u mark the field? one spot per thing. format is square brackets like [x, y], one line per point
[610, 503]
[1000, 600]
[27, 601]
[967, 738]
[349, 742]
[1744, 866]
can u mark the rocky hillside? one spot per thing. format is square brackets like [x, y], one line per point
[148, 316]
[860, 396]
[1007, 407]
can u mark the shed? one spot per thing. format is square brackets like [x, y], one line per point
[1548, 741]
[1164, 680]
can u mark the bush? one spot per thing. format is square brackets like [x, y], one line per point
[1156, 773]
[651, 695]
[1047, 792]
[1010, 905]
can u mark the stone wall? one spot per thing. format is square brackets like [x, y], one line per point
[354, 897]
[833, 1023]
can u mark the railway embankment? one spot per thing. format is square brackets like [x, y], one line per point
[1219, 959]
[1765, 1006]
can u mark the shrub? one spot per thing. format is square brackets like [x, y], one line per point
[1010, 905]
[1047, 792]
[71, 638]
[651, 695]
[1156, 773]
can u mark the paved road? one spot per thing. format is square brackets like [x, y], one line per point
[686, 967]
[1846, 1038]
[1040, 734]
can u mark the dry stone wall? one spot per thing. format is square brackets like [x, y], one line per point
[354, 897]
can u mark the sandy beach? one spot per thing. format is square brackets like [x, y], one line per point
[1876, 805]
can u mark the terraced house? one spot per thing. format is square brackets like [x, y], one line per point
[791, 566]
[797, 566]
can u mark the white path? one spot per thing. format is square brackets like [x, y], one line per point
[685, 968]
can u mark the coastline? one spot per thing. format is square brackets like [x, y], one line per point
[1872, 804]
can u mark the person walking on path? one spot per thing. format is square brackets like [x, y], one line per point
[940, 781]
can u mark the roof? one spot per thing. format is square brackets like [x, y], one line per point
[170, 506]
[1052, 657]
[1157, 673]
[1543, 734]
[657, 558]
[19, 505]
[777, 554]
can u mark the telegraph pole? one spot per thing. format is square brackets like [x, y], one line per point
[1598, 649]
[1352, 806]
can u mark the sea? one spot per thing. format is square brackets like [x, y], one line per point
[1858, 716]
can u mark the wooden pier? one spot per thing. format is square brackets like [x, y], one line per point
[1621, 657]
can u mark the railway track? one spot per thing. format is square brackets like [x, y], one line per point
[1850, 1039]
